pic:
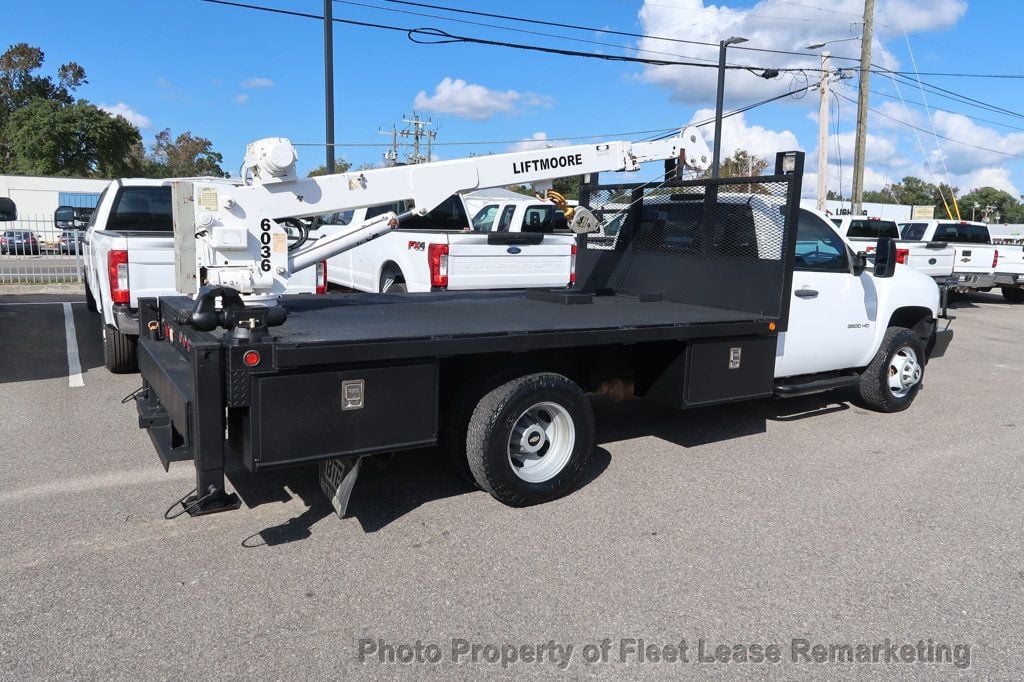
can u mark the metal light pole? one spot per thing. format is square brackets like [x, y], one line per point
[329, 80]
[716, 159]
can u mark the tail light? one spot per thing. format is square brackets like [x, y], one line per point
[902, 255]
[321, 278]
[995, 258]
[117, 271]
[572, 266]
[437, 257]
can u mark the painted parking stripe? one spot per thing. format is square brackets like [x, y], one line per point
[74, 363]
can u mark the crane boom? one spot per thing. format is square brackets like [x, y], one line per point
[235, 233]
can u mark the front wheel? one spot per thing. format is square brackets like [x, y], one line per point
[893, 379]
[1013, 294]
[530, 439]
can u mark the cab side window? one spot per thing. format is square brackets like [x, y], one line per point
[818, 248]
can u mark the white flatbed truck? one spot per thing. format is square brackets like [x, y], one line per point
[696, 302]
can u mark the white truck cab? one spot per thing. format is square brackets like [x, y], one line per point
[840, 313]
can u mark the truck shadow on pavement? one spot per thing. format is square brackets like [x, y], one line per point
[387, 489]
[390, 488]
[706, 425]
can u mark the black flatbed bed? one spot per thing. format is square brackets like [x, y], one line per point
[406, 325]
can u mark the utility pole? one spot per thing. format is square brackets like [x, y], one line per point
[329, 81]
[391, 153]
[826, 69]
[417, 130]
[862, 107]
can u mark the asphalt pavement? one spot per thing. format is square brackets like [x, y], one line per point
[772, 526]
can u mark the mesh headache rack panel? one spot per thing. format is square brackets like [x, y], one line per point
[721, 243]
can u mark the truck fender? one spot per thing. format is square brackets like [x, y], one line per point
[389, 265]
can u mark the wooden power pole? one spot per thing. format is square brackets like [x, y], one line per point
[862, 107]
[826, 68]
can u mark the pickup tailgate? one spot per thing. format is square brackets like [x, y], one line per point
[935, 259]
[150, 265]
[1011, 259]
[473, 263]
[974, 258]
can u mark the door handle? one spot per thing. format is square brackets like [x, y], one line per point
[806, 293]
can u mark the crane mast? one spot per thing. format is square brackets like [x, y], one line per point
[232, 234]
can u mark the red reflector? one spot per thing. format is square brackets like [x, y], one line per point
[995, 258]
[321, 278]
[437, 257]
[902, 255]
[251, 358]
[572, 266]
[117, 272]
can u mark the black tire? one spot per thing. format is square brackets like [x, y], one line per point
[875, 391]
[488, 448]
[1013, 294]
[120, 351]
[392, 282]
[90, 300]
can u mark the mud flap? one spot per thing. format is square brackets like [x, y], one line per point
[337, 478]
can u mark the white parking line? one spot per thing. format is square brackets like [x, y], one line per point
[74, 364]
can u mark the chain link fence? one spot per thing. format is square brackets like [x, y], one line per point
[34, 250]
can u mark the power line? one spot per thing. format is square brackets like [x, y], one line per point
[948, 111]
[594, 29]
[436, 36]
[949, 139]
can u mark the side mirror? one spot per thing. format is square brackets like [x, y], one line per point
[885, 257]
[860, 262]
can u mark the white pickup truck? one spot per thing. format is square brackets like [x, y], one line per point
[974, 266]
[512, 244]
[128, 253]
[935, 259]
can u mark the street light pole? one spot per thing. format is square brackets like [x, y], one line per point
[329, 81]
[716, 159]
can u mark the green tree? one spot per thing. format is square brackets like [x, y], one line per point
[50, 137]
[183, 156]
[1004, 204]
[340, 166]
[20, 84]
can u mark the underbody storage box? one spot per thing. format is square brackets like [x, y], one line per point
[714, 371]
[310, 417]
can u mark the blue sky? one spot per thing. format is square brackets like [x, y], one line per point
[235, 75]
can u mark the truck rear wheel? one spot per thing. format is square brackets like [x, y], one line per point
[120, 351]
[892, 380]
[1013, 294]
[529, 439]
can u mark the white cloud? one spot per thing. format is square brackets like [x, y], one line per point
[538, 140]
[476, 102]
[737, 134]
[963, 159]
[241, 98]
[257, 82]
[777, 25]
[129, 114]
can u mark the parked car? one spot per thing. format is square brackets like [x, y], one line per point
[933, 258]
[70, 241]
[19, 243]
[976, 257]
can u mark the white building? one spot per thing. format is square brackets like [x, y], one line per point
[38, 197]
[895, 212]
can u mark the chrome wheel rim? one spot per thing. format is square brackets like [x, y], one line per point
[541, 442]
[905, 372]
